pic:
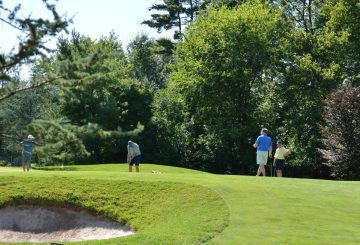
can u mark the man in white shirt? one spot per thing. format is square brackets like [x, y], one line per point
[133, 155]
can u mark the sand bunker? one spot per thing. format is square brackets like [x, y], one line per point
[51, 224]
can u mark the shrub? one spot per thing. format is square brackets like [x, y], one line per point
[341, 134]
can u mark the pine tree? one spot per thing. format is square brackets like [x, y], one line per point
[178, 13]
[30, 48]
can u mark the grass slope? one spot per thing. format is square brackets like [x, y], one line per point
[262, 210]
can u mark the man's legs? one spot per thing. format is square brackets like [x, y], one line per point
[261, 170]
[26, 158]
[26, 165]
[136, 161]
[279, 167]
[261, 159]
[25, 162]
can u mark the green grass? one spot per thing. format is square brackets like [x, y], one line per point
[116, 167]
[184, 206]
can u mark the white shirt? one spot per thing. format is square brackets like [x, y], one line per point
[134, 149]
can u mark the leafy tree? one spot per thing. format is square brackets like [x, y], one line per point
[310, 63]
[340, 17]
[205, 115]
[304, 13]
[341, 133]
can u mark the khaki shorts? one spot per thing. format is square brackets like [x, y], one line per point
[262, 157]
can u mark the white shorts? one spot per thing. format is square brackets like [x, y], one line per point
[262, 157]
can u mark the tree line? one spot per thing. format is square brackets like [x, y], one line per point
[199, 102]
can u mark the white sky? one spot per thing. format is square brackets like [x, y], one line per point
[93, 18]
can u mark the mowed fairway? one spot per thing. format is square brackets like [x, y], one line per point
[181, 206]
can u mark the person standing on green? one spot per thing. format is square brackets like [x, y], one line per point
[133, 155]
[27, 147]
[279, 158]
[263, 145]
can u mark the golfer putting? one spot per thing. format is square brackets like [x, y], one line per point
[133, 155]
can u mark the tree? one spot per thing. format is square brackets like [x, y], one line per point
[312, 60]
[148, 60]
[59, 142]
[179, 13]
[221, 3]
[106, 106]
[304, 70]
[340, 17]
[205, 115]
[20, 110]
[341, 132]
[30, 47]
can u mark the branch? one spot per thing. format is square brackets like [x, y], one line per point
[28, 88]
[10, 24]
[10, 137]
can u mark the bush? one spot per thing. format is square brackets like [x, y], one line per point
[341, 135]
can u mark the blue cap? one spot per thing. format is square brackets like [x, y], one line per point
[279, 142]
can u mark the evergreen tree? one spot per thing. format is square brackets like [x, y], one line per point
[20, 110]
[178, 13]
[148, 61]
[106, 106]
[30, 47]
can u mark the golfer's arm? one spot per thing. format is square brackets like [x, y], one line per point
[270, 151]
[130, 157]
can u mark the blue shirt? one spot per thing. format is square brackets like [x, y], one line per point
[27, 145]
[263, 143]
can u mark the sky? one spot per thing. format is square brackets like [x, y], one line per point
[93, 18]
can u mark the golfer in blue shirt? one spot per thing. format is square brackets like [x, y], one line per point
[27, 147]
[263, 144]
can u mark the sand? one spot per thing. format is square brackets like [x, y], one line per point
[26, 223]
